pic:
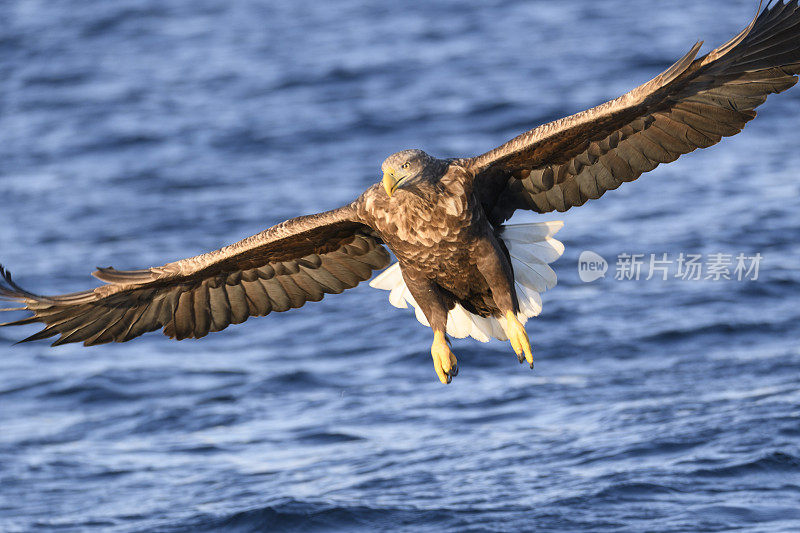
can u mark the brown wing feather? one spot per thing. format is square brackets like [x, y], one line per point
[693, 104]
[279, 269]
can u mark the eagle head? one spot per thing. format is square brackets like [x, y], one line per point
[403, 167]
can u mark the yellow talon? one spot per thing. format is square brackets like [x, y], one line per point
[444, 362]
[519, 338]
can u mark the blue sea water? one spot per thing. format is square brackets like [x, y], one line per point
[137, 132]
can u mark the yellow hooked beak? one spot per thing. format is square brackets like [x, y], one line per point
[389, 183]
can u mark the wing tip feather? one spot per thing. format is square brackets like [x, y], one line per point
[10, 291]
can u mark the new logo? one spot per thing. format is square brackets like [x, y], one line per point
[591, 267]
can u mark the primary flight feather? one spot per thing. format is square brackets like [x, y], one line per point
[459, 267]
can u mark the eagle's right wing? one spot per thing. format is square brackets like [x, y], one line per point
[691, 105]
[278, 269]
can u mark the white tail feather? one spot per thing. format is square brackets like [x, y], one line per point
[530, 233]
[531, 248]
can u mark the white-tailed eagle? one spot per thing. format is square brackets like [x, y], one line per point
[464, 272]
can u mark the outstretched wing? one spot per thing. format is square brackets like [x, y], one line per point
[691, 105]
[281, 268]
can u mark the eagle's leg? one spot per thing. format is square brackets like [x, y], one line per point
[444, 362]
[519, 338]
[495, 268]
[431, 301]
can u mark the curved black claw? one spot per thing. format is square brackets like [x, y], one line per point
[449, 378]
[454, 371]
[531, 366]
[521, 358]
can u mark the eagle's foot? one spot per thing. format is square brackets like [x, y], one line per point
[519, 338]
[444, 362]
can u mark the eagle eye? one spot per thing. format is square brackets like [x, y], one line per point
[406, 165]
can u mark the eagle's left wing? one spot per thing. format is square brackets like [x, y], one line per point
[276, 270]
[691, 105]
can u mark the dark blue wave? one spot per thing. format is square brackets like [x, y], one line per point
[295, 515]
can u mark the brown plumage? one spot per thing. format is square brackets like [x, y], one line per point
[442, 218]
[279, 269]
